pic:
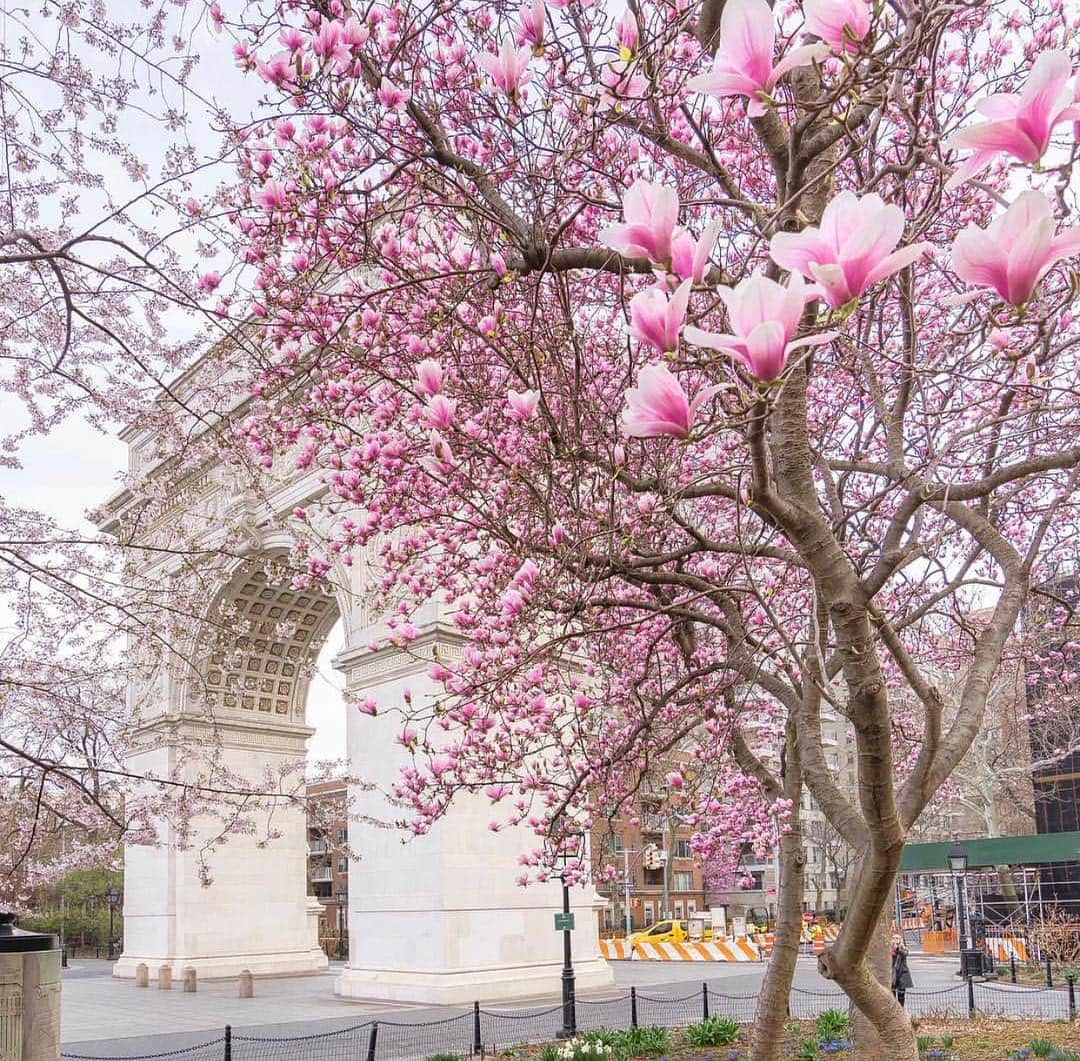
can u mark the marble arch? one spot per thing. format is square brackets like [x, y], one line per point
[436, 919]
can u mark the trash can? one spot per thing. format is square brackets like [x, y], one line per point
[29, 993]
[971, 962]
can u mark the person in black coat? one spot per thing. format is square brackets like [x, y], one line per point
[901, 974]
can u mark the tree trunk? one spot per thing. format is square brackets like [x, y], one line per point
[772, 1003]
[881, 1027]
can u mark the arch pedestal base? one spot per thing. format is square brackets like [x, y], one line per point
[461, 986]
[227, 966]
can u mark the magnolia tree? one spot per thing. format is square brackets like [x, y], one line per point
[707, 362]
[106, 133]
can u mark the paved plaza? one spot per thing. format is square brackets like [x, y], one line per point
[106, 1017]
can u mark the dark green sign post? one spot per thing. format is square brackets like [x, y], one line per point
[564, 923]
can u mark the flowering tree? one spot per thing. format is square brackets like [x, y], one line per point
[706, 364]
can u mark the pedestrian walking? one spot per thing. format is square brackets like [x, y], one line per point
[901, 974]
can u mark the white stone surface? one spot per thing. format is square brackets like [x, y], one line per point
[440, 918]
[254, 913]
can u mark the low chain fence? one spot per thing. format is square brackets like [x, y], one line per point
[487, 1031]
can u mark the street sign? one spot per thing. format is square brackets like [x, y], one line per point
[564, 922]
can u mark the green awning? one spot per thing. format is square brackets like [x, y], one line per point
[999, 851]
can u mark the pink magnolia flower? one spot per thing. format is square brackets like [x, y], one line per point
[626, 33]
[209, 282]
[649, 212]
[523, 403]
[657, 320]
[658, 405]
[390, 96]
[841, 24]
[272, 196]
[429, 377]
[533, 23]
[690, 257]
[763, 316]
[621, 81]
[440, 412]
[507, 68]
[1016, 250]
[1021, 123]
[853, 248]
[744, 59]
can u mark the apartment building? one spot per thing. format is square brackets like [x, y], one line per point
[328, 861]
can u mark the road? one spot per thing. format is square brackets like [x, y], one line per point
[104, 1017]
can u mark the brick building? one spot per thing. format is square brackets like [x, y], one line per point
[619, 844]
[328, 859]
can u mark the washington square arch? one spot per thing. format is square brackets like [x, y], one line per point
[437, 918]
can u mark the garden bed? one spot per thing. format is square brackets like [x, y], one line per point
[721, 1040]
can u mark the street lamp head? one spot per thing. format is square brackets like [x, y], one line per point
[958, 859]
[112, 896]
[342, 895]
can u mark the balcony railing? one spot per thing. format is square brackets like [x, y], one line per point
[322, 874]
[318, 847]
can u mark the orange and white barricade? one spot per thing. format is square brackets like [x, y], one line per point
[732, 950]
[1002, 948]
[615, 949]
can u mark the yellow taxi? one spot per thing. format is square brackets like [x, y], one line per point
[673, 932]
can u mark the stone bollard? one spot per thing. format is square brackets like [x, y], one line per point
[247, 984]
[164, 978]
[189, 979]
[142, 975]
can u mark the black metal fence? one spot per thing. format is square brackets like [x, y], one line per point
[485, 1031]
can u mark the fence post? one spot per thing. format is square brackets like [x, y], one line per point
[971, 996]
[1012, 967]
[1070, 979]
[633, 1007]
[1049, 974]
[477, 1042]
[228, 1042]
[704, 1000]
[372, 1039]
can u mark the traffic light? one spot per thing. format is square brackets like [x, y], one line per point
[652, 857]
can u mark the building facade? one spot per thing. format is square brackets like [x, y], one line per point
[328, 861]
[623, 848]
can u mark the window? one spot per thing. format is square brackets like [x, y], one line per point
[652, 876]
[661, 928]
[649, 914]
[684, 881]
[343, 836]
[682, 849]
[678, 910]
[343, 865]
[691, 907]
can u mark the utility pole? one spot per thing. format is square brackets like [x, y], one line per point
[665, 847]
[626, 890]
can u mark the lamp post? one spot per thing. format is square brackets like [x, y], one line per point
[342, 896]
[958, 864]
[112, 897]
[564, 922]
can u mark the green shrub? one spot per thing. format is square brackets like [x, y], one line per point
[444, 1057]
[713, 1031]
[924, 1042]
[1041, 1047]
[948, 1041]
[831, 1024]
[604, 1036]
[807, 1050]
[639, 1042]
